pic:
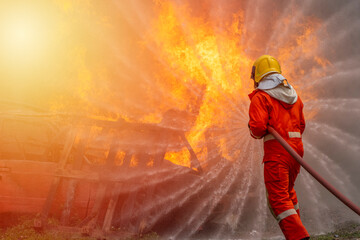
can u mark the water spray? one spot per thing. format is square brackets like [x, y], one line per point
[313, 173]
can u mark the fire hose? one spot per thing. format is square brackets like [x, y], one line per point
[313, 173]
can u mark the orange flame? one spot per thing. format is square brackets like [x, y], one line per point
[200, 54]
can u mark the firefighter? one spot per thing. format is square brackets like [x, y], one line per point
[275, 103]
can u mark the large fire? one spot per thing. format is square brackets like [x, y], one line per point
[169, 63]
[206, 57]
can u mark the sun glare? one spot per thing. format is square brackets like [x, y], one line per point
[23, 36]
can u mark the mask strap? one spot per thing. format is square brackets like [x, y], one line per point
[287, 83]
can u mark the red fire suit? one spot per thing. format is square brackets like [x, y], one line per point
[280, 169]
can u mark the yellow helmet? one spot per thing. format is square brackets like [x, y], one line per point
[263, 66]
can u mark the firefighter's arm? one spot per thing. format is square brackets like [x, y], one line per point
[259, 116]
[302, 118]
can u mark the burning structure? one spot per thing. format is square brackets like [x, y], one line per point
[86, 166]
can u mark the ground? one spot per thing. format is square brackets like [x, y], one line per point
[348, 231]
[24, 231]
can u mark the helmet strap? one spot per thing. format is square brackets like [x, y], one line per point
[253, 73]
[256, 85]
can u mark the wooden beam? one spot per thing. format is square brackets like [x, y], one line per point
[194, 160]
[84, 134]
[55, 184]
[111, 207]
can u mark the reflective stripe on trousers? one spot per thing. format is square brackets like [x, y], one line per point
[296, 206]
[287, 213]
[284, 214]
[291, 135]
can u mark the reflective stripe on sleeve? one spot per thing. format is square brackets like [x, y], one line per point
[268, 137]
[254, 135]
[285, 214]
[296, 206]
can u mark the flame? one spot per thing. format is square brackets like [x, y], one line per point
[206, 62]
[200, 53]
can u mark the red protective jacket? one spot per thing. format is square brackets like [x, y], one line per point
[286, 119]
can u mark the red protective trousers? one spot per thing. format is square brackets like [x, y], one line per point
[280, 169]
[280, 175]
